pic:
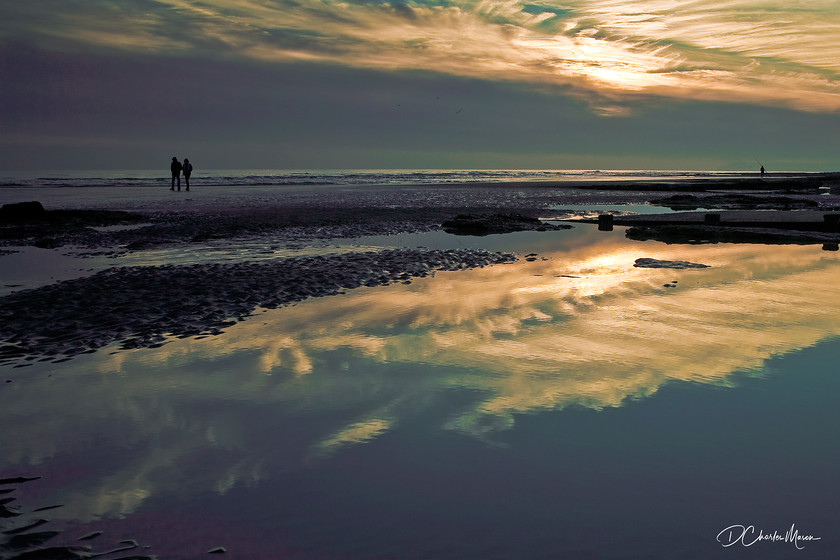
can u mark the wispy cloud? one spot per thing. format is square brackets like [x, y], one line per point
[609, 51]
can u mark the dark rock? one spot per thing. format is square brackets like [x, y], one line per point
[47, 243]
[18, 479]
[55, 553]
[23, 529]
[22, 211]
[23, 541]
[734, 202]
[832, 222]
[656, 263]
[479, 225]
[700, 234]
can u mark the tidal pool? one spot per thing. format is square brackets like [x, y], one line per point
[567, 406]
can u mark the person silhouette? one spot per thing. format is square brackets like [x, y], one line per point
[187, 172]
[762, 171]
[176, 168]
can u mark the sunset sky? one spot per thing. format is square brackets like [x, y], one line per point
[297, 84]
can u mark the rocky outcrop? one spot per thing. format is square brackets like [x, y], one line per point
[734, 202]
[656, 263]
[478, 225]
[22, 211]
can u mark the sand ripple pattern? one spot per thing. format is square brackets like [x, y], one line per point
[142, 306]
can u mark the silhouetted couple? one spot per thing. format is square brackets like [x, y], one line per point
[176, 167]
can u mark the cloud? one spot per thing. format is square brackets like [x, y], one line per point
[608, 51]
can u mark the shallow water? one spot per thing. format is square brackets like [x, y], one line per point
[570, 406]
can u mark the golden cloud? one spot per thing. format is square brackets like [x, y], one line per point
[609, 51]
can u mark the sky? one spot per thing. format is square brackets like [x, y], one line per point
[432, 84]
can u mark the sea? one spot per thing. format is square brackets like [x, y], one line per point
[352, 177]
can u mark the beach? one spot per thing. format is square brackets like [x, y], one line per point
[321, 342]
[267, 242]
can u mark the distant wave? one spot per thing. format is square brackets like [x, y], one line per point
[80, 179]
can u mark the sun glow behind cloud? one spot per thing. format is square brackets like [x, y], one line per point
[609, 51]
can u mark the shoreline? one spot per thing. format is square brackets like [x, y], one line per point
[338, 210]
[140, 306]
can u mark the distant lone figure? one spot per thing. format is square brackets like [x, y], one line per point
[176, 168]
[762, 171]
[187, 172]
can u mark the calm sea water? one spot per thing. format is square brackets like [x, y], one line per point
[567, 407]
[267, 177]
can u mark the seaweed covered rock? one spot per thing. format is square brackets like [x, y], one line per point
[734, 201]
[22, 211]
[647, 262]
[477, 224]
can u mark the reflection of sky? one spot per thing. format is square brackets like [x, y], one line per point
[294, 386]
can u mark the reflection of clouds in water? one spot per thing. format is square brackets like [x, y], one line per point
[282, 351]
[303, 382]
[534, 339]
[358, 432]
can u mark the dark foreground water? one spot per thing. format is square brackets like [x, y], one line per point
[572, 406]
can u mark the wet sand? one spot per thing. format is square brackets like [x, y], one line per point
[141, 306]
